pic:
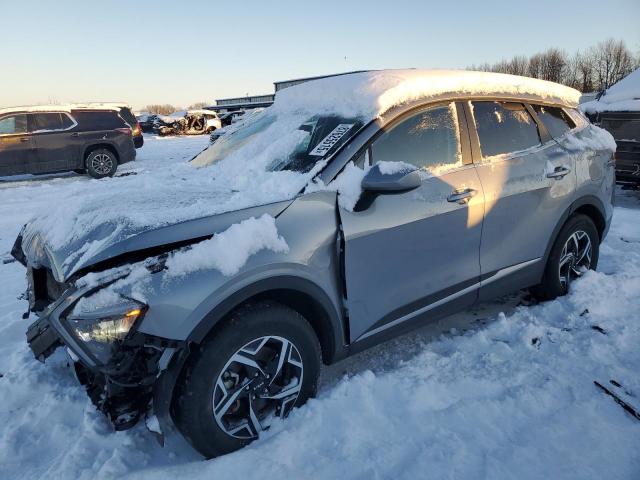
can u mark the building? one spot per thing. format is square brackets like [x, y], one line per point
[224, 105]
[290, 83]
[242, 103]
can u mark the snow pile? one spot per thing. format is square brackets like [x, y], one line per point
[228, 251]
[621, 97]
[591, 138]
[370, 94]
[389, 168]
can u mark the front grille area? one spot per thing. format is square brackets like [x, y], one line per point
[43, 288]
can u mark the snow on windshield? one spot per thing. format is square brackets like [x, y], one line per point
[260, 166]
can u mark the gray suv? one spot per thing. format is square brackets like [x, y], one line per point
[438, 201]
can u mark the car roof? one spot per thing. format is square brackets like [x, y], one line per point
[370, 94]
[68, 107]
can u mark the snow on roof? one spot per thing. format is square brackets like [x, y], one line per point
[67, 107]
[370, 94]
[200, 111]
[623, 96]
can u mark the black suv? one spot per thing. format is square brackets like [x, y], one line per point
[39, 140]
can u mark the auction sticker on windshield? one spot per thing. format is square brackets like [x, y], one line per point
[330, 140]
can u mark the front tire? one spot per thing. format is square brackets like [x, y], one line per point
[262, 362]
[575, 251]
[101, 163]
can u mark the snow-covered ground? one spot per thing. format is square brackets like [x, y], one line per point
[502, 391]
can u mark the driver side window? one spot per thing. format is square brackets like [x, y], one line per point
[429, 140]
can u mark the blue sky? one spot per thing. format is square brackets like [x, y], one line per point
[183, 52]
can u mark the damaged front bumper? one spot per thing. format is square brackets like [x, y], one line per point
[122, 384]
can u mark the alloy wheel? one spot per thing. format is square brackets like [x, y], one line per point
[102, 163]
[259, 382]
[575, 258]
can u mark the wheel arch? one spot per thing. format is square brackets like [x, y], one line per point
[590, 206]
[96, 146]
[593, 208]
[299, 294]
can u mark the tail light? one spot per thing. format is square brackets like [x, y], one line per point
[137, 130]
[126, 131]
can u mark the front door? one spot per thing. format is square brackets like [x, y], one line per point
[410, 255]
[16, 146]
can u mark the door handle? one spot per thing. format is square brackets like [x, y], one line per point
[559, 172]
[75, 134]
[24, 139]
[461, 196]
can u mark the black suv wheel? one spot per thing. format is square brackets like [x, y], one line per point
[575, 251]
[101, 163]
[264, 361]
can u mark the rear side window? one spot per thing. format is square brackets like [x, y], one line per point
[128, 117]
[45, 121]
[66, 121]
[555, 119]
[504, 127]
[14, 124]
[91, 120]
[578, 118]
[429, 140]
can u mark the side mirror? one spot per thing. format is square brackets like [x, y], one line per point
[392, 178]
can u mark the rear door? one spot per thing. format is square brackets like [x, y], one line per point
[54, 141]
[409, 255]
[529, 182]
[16, 145]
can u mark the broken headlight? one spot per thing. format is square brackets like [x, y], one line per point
[101, 328]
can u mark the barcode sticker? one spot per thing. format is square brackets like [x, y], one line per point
[330, 140]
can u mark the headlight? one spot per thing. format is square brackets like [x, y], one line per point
[101, 328]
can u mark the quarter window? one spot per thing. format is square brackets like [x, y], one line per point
[66, 121]
[504, 127]
[15, 124]
[555, 119]
[430, 140]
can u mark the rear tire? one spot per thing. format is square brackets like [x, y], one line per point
[575, 250]
[101, 163]
[223, 401]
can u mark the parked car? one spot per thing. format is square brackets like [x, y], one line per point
[617, 110]
[235, 125]
[146, 122]
[194, 122]
[37, 140]
[231, 117]
[432, 191]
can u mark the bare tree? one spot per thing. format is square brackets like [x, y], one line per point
[594, 69]
[534, 69]
[160, 109]
[612, 61]
[198, 105]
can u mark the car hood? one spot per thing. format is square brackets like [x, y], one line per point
[108, 241]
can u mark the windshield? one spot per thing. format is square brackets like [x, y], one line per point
[295, 144]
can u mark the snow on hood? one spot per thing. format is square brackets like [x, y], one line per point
[124, 207]
[623, 96]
